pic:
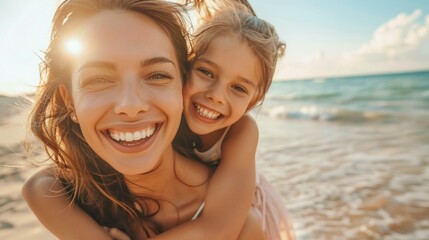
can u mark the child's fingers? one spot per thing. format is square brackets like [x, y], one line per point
[118, 234]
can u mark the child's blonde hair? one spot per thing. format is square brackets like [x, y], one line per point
[238, 19]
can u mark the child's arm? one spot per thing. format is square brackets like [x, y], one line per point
[230, 191]
[50, 203]
[252, 227]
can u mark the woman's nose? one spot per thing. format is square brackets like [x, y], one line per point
[131, 99]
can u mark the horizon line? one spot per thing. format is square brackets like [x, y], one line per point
[354, 75]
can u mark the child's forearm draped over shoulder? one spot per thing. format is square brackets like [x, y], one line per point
[231, 189]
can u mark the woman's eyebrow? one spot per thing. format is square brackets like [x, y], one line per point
[97, 64]
[109, 65]
[156, 60]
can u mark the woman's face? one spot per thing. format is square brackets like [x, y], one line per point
[126, 90]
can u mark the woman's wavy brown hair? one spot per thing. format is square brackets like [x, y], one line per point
[93, 184]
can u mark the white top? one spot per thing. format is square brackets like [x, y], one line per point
[200, 209]
[213, 154]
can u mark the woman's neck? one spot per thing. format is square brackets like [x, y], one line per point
[155, 182]
[178, 185]
[171, 180]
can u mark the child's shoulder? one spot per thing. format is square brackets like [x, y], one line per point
[247, 122]
[242, 134]
[246, 126]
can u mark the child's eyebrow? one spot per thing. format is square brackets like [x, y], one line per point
[247, 81]
[205, 60]
[241, 78]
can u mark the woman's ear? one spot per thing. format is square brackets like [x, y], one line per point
[68, 101]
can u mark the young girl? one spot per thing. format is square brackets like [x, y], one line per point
[232, 66]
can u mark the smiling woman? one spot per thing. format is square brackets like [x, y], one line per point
[108, 115]
[113, 93]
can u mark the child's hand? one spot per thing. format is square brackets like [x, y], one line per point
[117, 234]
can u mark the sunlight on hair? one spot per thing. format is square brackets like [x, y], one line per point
[73, 46]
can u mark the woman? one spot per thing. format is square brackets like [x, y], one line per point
[107, 113]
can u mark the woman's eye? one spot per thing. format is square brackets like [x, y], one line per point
[160, 75]
[97, 80]
[239, 88]
[206, 72]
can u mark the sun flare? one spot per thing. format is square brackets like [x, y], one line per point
[73, 46]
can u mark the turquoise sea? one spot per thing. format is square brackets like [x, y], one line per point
[350, 155]
[362, 99]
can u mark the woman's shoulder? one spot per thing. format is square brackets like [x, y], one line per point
[45, 182]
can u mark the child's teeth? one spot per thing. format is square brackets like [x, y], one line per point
[206, 113]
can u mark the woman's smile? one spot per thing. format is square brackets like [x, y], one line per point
[127, 141]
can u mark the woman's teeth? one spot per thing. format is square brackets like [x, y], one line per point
[204, 112]
[132, 136]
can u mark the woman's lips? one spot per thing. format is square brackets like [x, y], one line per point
[133, 141]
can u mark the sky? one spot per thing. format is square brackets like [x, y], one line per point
[324, 38]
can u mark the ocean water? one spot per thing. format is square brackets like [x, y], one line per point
[350, 156]
[382, 98]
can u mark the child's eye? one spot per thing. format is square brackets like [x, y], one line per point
[239, 88]
[160, 75]
[206, 72]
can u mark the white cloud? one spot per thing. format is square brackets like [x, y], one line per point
[396, 39]
[400, 44]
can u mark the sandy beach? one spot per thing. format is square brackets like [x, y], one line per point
[16, 219]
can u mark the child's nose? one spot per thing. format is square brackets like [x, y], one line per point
[216, 93]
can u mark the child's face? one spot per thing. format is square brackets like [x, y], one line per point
[221, 85]
[126, 90]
